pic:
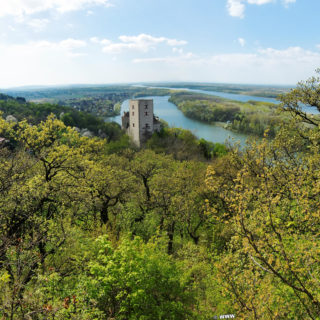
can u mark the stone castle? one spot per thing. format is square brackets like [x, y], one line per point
[140, 122]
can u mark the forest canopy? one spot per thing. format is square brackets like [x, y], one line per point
[251, 117]
[88, 233]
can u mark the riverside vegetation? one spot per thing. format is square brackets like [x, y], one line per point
[101, 101]
[252, 117]
[93, 228]
[250, 90]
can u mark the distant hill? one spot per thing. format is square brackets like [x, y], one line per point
[6, 97]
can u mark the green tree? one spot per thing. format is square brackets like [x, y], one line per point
[267, 197]
[137, 281]
[271, 209]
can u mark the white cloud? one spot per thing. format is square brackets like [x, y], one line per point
[142, 42]
[38, 24]
[41, 62]
[147, 40]
[48, 62]
[292, 56]
[96, 40]
[259, 2]
[28, 7]
[70, 44]
[182, 58]
[177, 50]
[242, 42]
[236, 8]
[174, 42]
[267, 65]
[65, 47]
[286, 3]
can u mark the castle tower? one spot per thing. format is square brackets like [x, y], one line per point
[139, 122]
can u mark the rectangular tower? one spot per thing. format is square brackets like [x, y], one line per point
[141, 120]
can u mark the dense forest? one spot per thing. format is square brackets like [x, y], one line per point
[252, 117]
[250, 90]
[36, 112]
[180, 229]
[101, 101]
[114, 93]
[96, 106]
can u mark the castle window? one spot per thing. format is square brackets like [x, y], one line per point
[146, 113]
[133, 113]
[146, 106]
[133, 124]
[147, 126]
[132, 107]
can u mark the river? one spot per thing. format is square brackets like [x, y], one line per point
[225, 95]
[214, 133]
[238, 97]
[175, 118]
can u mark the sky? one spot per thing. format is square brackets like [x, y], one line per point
[58, 42]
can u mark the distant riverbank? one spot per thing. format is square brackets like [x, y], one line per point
[221, 94]
[175, 118]
[252, 117]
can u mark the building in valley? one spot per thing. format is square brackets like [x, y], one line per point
[139, 122]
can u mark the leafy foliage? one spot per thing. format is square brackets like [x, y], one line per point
[90, 229]
[251, 117]
[37, 112]
[137, 281]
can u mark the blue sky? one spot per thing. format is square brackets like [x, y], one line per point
[47, 42]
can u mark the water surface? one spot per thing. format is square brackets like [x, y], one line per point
[242, 98]
[175, 118]
[211, 132]
[226, 95]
